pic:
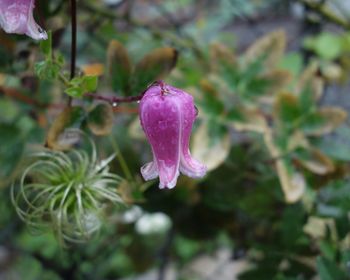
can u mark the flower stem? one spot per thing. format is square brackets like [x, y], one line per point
[121, 159]
[115, 99]
[128, 99]
[73, 13]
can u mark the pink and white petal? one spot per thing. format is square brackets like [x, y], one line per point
[188, 165]
[149, 171]
[192, 167]
[33, 29]
[168, 184]
[13, 15]
[161, 120]
[16, 16]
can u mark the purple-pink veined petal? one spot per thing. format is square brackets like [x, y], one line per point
[16, 16]
[149, 171]
[160, 117]
[188, 165]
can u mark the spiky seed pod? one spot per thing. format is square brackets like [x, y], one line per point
[66, 192]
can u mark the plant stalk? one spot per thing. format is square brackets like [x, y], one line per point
[73, 12]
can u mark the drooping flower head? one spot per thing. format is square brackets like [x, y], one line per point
[16, 16]
[167, 115]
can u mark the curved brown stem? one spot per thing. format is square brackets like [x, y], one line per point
[115, 99]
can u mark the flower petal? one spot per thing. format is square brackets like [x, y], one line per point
[16, 16]
[188, 165]
[161, 121]
[149, 171]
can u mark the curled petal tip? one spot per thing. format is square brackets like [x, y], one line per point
[195, 172]
[149, 171]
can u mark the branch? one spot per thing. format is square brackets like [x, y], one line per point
[17, 95]
[326, 13]
[115, 99]
[73, 43]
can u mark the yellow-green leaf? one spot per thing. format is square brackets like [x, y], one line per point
[324, 121]
[315, 161]
[154, 66]
[68, 118]
[279, 80]
[292, 182]
[318, 227]
[119, 67]
[287, 108]
[208, 149]
[251, 120]
[221, 54]
[332, 72]
[271, 46]
[310, 80]
[100, 119]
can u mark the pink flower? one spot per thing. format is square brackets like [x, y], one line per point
[16, 16]
[167, 115]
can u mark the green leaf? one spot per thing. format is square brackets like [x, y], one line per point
[47, 70]
[211, 103]
[328, 270]
[270, 46]
[211, 144]
[323, 121]
[235, 115]
[287, 108]
[90, 83]
[328, 249]
[119, 67]
[256, 87]
[326, 45]
[306, 100]
[80, 85]
[75, 92]
[314, 160]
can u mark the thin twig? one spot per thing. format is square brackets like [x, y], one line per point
[114, 99]
[19, 96]
[73, 43]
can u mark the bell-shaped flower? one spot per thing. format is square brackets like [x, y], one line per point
[167, 115]
[16, 16]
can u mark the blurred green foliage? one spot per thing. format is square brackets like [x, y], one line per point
[277, 194]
